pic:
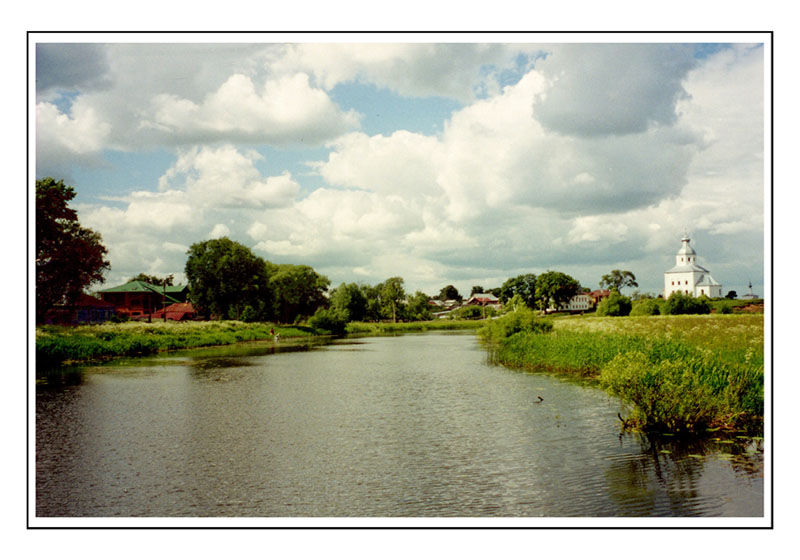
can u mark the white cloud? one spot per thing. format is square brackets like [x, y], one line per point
[457, 70]
[224, 177]
[283, 110]
[63, 139]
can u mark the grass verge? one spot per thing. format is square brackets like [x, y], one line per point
[676, 373]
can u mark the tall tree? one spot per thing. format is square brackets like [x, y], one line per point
[418, 308]
[449, 292]
[476, 290]
[555, 289]
[69, 257]
[618, 279]
[350, 300]
[523, 285]
[299, 291]
[226, 278]
[392, 295]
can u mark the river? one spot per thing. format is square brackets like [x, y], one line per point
[418, 425]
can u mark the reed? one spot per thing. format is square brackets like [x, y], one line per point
[676, 373]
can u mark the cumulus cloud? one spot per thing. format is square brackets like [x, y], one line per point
[457, 70]
[608, 89]
[224, 177]
[283, 110]
[593, 158]
[63, 140]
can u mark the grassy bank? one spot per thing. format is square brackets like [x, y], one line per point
[56, 345]
[677, 373]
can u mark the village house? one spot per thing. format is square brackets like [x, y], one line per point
[484, 300]
[138, 299]
[86, 309]
[579, 303]
[688, 277]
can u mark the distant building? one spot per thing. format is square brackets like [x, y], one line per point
[578, 303]
[137, 298]
[484, 300]
[598, 296]
[688, 277]
[750, 294]
[86, 309]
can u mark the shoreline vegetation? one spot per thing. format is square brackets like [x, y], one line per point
[63, 345]
[675, 374]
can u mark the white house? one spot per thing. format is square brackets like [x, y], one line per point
[688, 277]
[577, 304]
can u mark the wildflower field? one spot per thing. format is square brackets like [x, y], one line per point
[679, 373]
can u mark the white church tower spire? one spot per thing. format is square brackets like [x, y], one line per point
[687, 277]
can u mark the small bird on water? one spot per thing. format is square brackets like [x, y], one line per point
[540, 399]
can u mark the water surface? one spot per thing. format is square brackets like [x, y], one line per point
[412, 426]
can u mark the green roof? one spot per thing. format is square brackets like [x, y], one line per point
[139, 286]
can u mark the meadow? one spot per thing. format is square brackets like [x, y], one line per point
[676, 373]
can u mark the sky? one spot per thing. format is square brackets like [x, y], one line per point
[462, 163]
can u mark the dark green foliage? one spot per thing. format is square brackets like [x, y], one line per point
[332, 321]
[69, 257]
[392, 294]
[523, 285]
[350, 300]
[615, 305]
[468, 312]
[684, 304]
[449, 292]
[299, 292]
[618, 279]
[555, 289]
[645, 307]
[225, 278]
[731, 295]
[154, 280]
[417, 308]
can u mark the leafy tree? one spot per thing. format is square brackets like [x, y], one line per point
[417, 308]
[225, 277]
[299, 291]
[523, 285]
[350, 300]
[69, 257]
[449, 292]
[555, 289]
[392, 295]
[618, 279]
[731, 295]
[615, 305]
[373, 307]
[476, 290]
[155, 280]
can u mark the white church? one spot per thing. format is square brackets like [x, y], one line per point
[689, 277]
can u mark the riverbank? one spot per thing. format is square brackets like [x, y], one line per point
[56, 345]
[677, 373]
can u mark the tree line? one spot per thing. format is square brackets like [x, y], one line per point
[228, 281]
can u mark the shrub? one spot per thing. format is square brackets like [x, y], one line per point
[468, 312]
[684, 304]
[522, 320]
[333, 321]
[645, 307]
[615, 305]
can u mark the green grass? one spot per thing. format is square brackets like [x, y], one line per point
[57, 344]
[680, 373]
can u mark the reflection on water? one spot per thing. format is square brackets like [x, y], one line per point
[418, 425]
